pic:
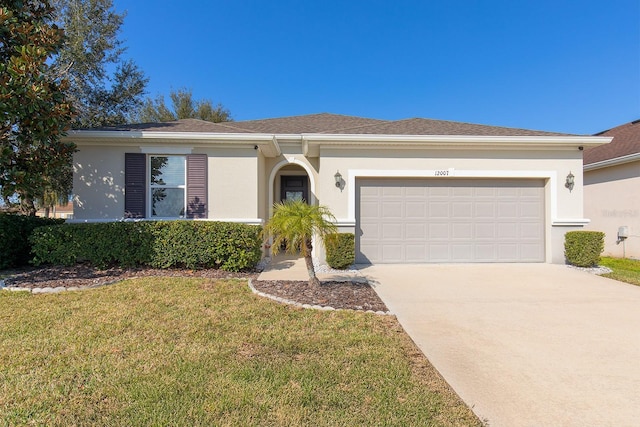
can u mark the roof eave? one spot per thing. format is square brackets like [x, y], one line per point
[313, 142]
[612, 162]
[267, 143]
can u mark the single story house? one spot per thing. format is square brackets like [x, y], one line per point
[412, 191]
[612, 190]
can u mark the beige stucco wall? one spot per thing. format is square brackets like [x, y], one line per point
[564, 209]
[99, 182]
[233, 184]
[612, 199]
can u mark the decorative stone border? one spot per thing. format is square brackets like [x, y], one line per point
[309, 306]
[50, 290]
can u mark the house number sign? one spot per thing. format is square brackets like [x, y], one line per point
[443, 172]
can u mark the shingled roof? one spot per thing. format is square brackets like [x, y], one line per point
[626, 141]
[325, 123]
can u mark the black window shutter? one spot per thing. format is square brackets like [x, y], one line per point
[197, 186]
[135, 185]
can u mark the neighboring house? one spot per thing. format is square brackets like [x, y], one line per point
[65, 211]
[412, 191]
[612, 189]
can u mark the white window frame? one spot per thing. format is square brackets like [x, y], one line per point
[151, 187]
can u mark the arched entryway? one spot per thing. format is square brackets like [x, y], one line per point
[291, 179]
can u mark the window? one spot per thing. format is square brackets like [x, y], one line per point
[167, 182]
[165, 186]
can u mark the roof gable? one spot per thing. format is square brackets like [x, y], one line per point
[626, 141]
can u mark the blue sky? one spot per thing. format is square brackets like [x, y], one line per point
[565, 66]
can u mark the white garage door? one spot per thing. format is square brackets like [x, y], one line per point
[449, 220]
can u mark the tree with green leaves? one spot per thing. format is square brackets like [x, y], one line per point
[91, 50]
[293, 225]
[183, 106]
[34, 109]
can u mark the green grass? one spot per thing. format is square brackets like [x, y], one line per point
[177, 351]
[624, 269]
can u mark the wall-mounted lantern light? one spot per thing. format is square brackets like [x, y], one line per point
[339, 181]
[570, 182]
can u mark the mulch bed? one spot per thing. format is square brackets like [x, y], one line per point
[349, 295]
[81, 275]
[346, 295]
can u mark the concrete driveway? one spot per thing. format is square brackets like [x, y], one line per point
[524, 344]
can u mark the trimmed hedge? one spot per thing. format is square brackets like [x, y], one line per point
[163, 244]
[341, 250]
[583, 248]
[15, 250]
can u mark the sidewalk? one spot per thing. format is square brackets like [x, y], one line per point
[292, 267]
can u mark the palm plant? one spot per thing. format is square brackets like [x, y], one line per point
[293, 225]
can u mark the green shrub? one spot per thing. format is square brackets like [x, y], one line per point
[198, 244]
[341, 250]
[163, 244]
[583, 248]
[15, 250]
[123, 243]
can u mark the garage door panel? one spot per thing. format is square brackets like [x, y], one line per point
[450, 220]
[462, 252]
[508, 209]
[530, 210]
[507, 230]
[392, 231]
[485, 252]
[415, 253]
[485, 210]
[416, 191]
[438, 231]
[530, 252]
[508, 252]
[392, 191]
[392, 209]
[530, 230]
[485, 231]
[462, 210]
[461, 191]
[392, 252]
[372, 231]
[416, 210]
[439, 210]
[416, 231]
[439, 253]
[462, 231]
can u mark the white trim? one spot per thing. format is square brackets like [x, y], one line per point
[327, 137]
[459, 139]
[159, 151]
[343, 222]
[248, 221]
[612, 162]
[563, 222]
[184, 136]
[352, 174]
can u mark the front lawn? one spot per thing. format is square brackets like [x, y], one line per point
[178, 351]
[624, 269]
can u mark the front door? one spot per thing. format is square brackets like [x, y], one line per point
[294, 188]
